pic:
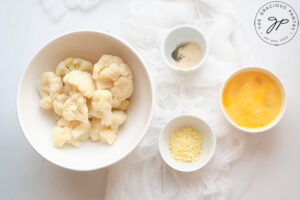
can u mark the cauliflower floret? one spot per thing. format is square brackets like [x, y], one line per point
[108, 136]
[69, 132]
[108, 76]
[124, 105]
[98, 132]
[79, 130]
[118, 118]
[96, 128]
[61, 136]
[123, 89]
[113, 74]
[78, 81]
[101, 105]
[106, 71]
[70, 64]
[48, 87]
[58, 103]
[104, 62]
[75, 108]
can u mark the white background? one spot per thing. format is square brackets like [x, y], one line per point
[268, 170]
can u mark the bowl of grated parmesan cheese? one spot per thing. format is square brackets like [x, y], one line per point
[187, 143]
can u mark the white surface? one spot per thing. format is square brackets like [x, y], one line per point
[91, 155]
[57, 8]
[209, 142]
[269, 169]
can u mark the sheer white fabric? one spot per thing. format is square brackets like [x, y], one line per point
[143, 174]
[58, 8]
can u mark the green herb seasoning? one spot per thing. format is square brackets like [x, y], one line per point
[175, 54]
[187, 54]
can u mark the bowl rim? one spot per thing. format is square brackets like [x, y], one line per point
[200, 165]
[276, 78]
[185, 26]
[21, 80]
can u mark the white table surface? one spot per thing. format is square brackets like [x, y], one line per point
[269, 169]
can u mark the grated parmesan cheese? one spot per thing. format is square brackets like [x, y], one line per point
[185, 144]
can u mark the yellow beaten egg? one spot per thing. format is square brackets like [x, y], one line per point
[252, 99]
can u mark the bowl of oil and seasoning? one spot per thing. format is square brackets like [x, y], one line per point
[185, 48]
[187, 143]
[253, 99]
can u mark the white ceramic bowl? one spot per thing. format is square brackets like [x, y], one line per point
[209, 142]
[37, 123]
[283, 93]
[178, 35]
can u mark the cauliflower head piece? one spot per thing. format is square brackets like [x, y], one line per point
[49, 86]
[101, 105]
[70, 64]
[58, 103]
[98, 132]
[75, 108]
[108, 136]
[62, 136]
[80, 130]
[96, 128]
[78, 81]
[124, 105]
[69, 132]
[118, 118]
[122, 89]
[111, 73]
[104, 62]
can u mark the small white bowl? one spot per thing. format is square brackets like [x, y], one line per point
[178, 35]
[37, 123]
[283, 93]
[209, 142]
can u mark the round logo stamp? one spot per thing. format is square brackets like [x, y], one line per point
[276, 23]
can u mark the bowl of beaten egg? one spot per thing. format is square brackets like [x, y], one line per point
[253, 99]
[71, 140]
